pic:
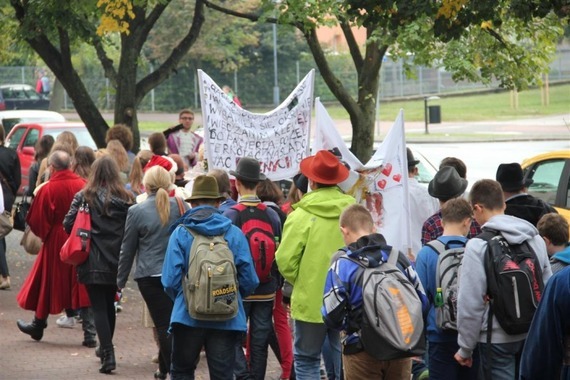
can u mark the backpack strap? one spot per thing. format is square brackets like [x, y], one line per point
[180, 203]
[393, 257]
[437, 246]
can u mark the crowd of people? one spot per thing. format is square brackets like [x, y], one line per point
[228, 264]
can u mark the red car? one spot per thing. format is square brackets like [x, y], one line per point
[23, 138]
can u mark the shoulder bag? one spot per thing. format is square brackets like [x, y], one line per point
[75, 250]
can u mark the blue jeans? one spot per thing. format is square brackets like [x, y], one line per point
[443, 366]
[260, 315]
[309, 339]
[187, 342]
[504, 364]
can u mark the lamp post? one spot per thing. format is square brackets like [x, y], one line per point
[276, 80]
[426, 100]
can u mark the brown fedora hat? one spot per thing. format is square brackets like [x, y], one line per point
[205, 187]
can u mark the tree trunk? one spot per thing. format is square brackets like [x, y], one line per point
[57, 96]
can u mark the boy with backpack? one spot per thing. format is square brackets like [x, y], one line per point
[374, 295]
[501, 281]
[437, 264]
[262, 227]
[205, 245]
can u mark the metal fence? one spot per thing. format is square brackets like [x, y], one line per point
[255, 86]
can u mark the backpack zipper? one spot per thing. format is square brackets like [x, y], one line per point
[208, 303]
[516, 291]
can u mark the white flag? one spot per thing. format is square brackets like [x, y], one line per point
[279, 139]
[383, 188]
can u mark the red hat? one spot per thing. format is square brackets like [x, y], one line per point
[160, 161]
[324, 167]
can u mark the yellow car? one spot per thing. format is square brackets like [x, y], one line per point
[551, 175]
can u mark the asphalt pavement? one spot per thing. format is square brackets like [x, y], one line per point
[60, 355]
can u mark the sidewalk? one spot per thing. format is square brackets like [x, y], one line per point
[60, 355]
[554, 127]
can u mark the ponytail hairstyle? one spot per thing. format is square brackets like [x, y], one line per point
[157, 181]
[136, 175]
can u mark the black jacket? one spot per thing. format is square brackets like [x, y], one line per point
[10, 170]
[106, 236]
[527, 207]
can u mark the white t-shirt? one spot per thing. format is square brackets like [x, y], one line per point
[422, 206]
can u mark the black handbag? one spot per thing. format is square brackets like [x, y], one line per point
[19, 213]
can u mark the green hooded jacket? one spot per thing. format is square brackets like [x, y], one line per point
[311, 236]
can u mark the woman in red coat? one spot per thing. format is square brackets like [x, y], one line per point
[47, 289]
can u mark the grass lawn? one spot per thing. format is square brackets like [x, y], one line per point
[459, 108]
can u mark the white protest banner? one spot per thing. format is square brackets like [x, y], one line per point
[383, 188]
[278, 139]
[327, 137]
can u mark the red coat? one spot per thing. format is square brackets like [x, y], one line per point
[49, 287]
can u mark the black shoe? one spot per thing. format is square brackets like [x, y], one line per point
[34, 329]
[108, 361]
[90, 343]
[160, 375]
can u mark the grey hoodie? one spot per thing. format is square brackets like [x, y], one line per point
[472, 308]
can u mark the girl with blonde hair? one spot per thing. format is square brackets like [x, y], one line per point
[147, 232]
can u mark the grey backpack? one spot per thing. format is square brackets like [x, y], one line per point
[210, 287]
[448, 263]
[392, 323]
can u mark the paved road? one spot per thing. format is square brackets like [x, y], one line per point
[60, 355]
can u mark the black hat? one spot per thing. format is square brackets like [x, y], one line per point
[447, 184]
[301, 182]
[511, 177]
[411, 160]
[248, 169]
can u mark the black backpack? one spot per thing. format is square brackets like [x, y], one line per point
[514, 282]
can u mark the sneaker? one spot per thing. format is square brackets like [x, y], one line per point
[118, 307]
[65, 322]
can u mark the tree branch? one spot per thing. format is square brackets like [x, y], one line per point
[106, 62]
[169, 65]
[148, 22]
[352, 45]
[334, 84]
[247, 16]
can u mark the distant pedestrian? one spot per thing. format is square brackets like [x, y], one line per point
[183, 141]
[519, 202]
[189, 335]
[499, 356]
[145, 239]
[48, 287]
[10, 178]
[108, 203]
[310, 237]
[445, 185]
[554, 230]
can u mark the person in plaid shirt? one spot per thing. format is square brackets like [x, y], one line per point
[445, 185]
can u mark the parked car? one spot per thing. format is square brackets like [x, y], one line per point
[23, 138]
[21, 96]
[11, 118]
[551, 175]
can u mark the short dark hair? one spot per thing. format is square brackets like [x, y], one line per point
[223, 180]
[204, 201]
[554, 227]
[268, 191]
[250, 185]
[488, 193]
[456, 210]
[157, 143]
[456, 163]
[185, 110]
